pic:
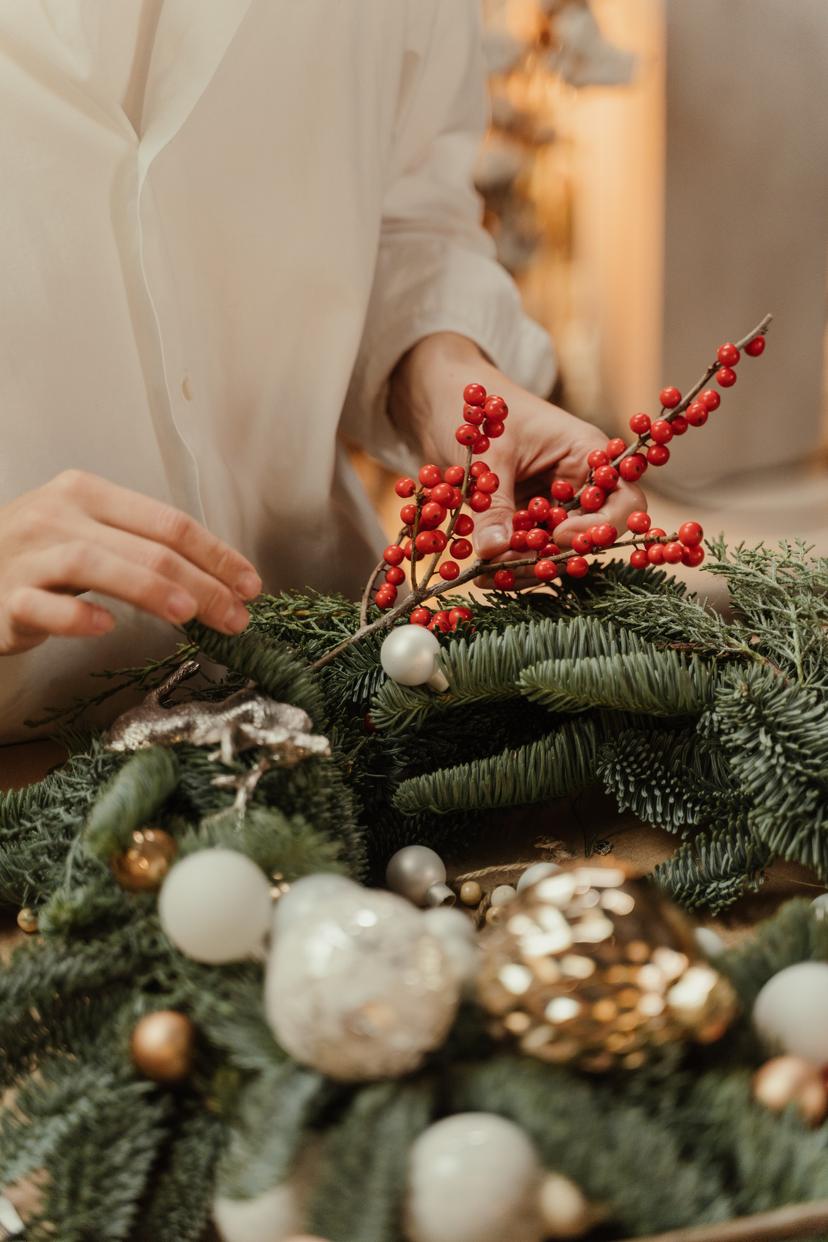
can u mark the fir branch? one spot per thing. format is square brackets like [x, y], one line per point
[133, 796]
[661, 683]
[713, 869]
[179, 1200]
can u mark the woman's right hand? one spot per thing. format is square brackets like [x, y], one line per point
[81, 533]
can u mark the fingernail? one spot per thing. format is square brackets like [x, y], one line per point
[492, 539]
[236, 618]
[102, 621]
[249, 586]
[181, 606]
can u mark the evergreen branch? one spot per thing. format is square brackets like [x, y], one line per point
[133, 796]
[661, 683]
[714, 869]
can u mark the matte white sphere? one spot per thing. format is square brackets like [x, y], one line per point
[409, 655]
[820, 905]
[215, 906]
[413, 871]
[307, 897]
[791, 1011]
[456, 934]
[473, 1178]
[709, 941]
[503, 894]
[362, 990]
[538, 871]
[275, 1216]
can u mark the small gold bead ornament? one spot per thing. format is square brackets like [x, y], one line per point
[788, 1080]
[143, 866]
[27, 920]
[471, 894]
[592, 967]
[162, 1045]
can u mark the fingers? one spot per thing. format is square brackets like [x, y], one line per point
[84, 566]
[32, 615]
[140, 515]
[616, 509]
[493, 528]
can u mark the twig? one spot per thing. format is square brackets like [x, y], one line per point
[796, 1220]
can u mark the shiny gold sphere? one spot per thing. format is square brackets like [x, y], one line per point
[592, 967]
[27, 920]
[143, 866]
[791, 1080]
[162, 1045]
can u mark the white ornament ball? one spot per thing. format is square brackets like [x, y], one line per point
[456, 934]
[215, 906]
[308, 896]
[409, 656]
[791, 1011]
[503, 894]
[418, 873]
[473, 1178]
[538, 871]
[275, 1216]
[564, 1209]
[820, 905]
[360, 990]
[709, 941]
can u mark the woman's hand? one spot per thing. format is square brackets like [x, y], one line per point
[81, 533]
[541, 441]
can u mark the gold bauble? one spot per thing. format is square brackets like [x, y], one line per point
[162, 1045]
[471, 894]
[593, 967]
[27, 920]
[143, 866]
[791, 1080]
[564, 1210]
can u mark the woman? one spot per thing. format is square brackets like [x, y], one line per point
[233, 234]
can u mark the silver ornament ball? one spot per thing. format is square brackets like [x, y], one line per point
[418, 873]
[456, 934]
[307, 897]
[409, 656]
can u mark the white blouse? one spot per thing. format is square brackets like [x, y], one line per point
[222, 222]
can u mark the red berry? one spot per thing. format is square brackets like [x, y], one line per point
[454, 475]
[615, 447]
[420, 616]
[442, 494]
[393, 554]
[408, 514]
[494, 428]
[539, 508]
[695, 555]
[477, 468]
[697, 414]
[522, 520]
[481, 445]
[440, 621]
[690, 534]
[474, 394]
[639, 522]
[461, 549]
[655, 554]
[577, 567]
[597, 458]
[639, 558]
[459, 616]
[428, 542]
[556, 516]
[755, 347]
[672, 552]
[551, 549]
[488, 482]
[456, 498]
[473, 414]
[405, 488]
[603, 535]
[606, 477]
[536, 539]
[496, 408]
[640, 424]
[479, 502]
[395, 576]
[631, 468]
[727, 354]
[710, 399]
[679, 424]
[504, 580]
[582, 542]
[561, 490]
[655, 533]
[430, 475]
[518, 541]
[669, 397]
[449, 570]
[725, 377]
[546, 570]
[658, 454]
[464, 525]
[466, 434]
[661, 431]
[385, 596]
[592, 498]
[432, 515]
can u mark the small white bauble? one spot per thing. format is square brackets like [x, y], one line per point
[409, 656]
[538, 871]
[361, 990]
[308, 896]
[503, 894]
[456, 934]
[820, 906]
[791, 1011]
[564, 1209]
[275, 1216]
[418, 873]
[473, 1178]
[709, 941]
[215, 906]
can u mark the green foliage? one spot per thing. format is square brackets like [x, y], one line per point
[133, 796]
[659, 683]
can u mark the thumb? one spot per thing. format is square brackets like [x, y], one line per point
[493, 529]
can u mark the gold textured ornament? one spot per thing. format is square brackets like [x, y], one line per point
[144, 865]
[27, 920]
[593, 967]
[162, 1045]
[791, 1080]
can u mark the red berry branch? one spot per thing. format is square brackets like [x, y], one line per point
[433, 520]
